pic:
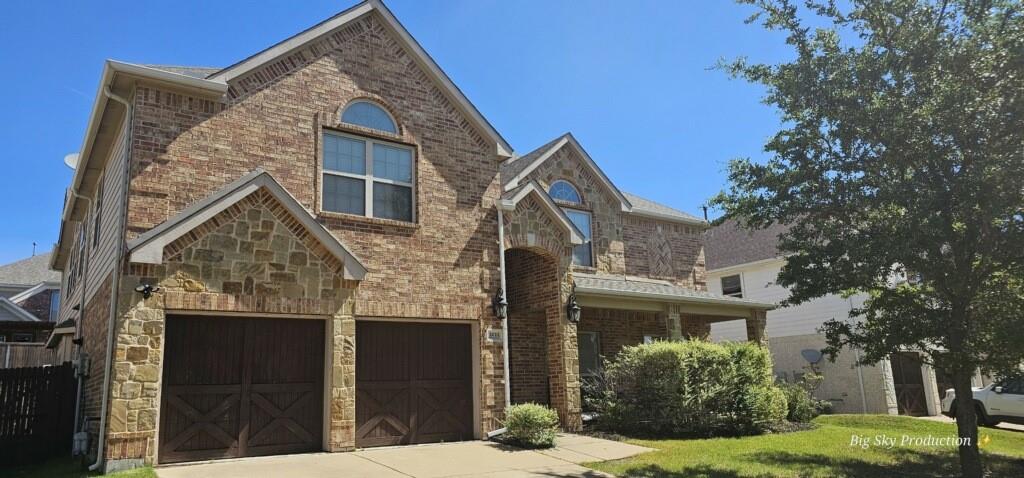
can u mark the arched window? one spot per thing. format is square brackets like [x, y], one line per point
[563, 191]
[369, 115]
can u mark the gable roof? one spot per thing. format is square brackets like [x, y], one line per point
[646, 207]
[29, 272]
[17, 313]
[31, 291]
[148, 248]
[510, 199]
[514, 171]
[729, 244]
[420, 55]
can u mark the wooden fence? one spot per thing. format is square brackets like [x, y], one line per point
[36, 412]
[18, 355]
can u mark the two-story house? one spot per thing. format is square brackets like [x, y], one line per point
[321, 246]
[745, 263]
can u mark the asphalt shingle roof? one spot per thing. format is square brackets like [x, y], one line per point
[642, 205]
[653, 288]
[728, 244]
[29, 272]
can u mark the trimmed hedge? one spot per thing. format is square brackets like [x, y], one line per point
[690, 388]
[530, 425]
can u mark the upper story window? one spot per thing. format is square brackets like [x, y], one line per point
[97, 219]
[367, 177]
[54, 305]
[369, 115]
[732, 286]
[563, 191]
[582, 255]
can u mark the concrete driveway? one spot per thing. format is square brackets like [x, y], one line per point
[464, 459]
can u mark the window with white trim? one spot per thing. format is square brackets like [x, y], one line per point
[54, 305]
[367, 177]
[563, 191]
[97, 214]
[732, 286]
[369, 115]
[582, 255]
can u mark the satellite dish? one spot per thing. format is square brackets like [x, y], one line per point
[71, 160]
[811, 355]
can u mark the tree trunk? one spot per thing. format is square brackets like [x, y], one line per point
[966, 426]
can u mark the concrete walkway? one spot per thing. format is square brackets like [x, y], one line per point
[464, 459]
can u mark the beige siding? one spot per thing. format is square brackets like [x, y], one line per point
[103, 255]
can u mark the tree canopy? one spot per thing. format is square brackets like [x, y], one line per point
[900, 171]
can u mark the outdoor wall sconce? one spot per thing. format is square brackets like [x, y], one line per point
[147, 290]
[499, 304]
[572, 309]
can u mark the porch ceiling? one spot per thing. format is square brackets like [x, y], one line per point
[650, 294]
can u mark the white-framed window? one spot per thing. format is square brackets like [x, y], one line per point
[22, 337]
[97, 219]
[368, 115]
[563, 191]
[582, 254]
[732, 286]
[368, 177]
[590, 353]
[54, 305]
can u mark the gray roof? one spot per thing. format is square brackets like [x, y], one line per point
[642, 205]
[511, 167]
[29, 272]
[654, 289]
[201, 72]
[729, 244]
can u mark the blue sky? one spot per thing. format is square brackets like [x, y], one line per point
[631, 79]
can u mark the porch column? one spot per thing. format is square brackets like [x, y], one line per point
[755, 327]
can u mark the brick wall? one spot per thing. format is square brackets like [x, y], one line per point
[93, 328]
[39, 305]
[532, 280]
[619, 328]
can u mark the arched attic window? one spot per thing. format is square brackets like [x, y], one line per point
[563, 191]
[369, 115]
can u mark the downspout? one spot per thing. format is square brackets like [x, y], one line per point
[860, 370]
[504, 321]
[115, 286]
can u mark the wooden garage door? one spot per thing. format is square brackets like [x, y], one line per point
[237, 387]
[413, 383]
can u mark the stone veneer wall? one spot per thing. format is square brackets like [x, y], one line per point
[251, 258]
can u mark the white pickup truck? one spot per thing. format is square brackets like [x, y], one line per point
[995, 403]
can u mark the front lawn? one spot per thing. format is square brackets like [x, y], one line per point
[67, 468]
[825, 451]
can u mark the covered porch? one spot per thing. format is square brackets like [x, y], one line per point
[619, 311]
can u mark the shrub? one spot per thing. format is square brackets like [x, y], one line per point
[803, 407]
[690, 388]
[531, 425]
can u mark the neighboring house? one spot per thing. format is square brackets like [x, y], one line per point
[744, 263]
[307, 250]
[29, 300]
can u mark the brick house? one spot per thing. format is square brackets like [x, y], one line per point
[302, 252]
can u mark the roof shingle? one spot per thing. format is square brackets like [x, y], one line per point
[729, 244]
[655, 289]
[29, 272]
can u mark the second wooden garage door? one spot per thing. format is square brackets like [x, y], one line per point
[413, 383]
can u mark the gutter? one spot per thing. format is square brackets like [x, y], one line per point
[115, 285]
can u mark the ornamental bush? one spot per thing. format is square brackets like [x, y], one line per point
[690, 388]
[530, 425]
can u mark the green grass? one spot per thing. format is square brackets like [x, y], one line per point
[822, 452]
[67, 468]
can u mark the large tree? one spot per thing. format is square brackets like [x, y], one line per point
[901, 154]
